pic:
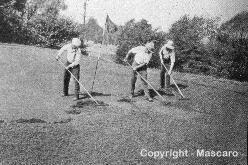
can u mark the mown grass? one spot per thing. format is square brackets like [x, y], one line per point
[213, 118]
[109, 135]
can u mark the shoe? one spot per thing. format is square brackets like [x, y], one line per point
[75, 99]
[131, 96]
[149, 99]
[64, 95]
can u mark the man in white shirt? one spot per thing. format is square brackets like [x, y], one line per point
[72, 65]
[167, 57]
[142, 56]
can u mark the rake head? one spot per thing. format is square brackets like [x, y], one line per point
[165, 103]
[87, 103]
[184, 98]
[128, 100]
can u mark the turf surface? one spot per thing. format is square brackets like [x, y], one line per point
[38, 126]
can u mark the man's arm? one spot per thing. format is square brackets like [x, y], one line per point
[172, 63]
[60, 52]
[160, 54]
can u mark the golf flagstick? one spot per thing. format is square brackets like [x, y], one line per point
[174, 81]
[79, 82]
[95, 73]
[97, 61]
[150, 85]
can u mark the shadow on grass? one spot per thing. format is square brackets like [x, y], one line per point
[99, 94]
[93, 94]
[62, 121]
[153, 93]
[127, 100]
[181, 86]
[32, 120]
[167, 93]
[73, 111]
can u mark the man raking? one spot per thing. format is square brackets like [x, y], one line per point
[167, 58]
[72, 65]
[142, 56]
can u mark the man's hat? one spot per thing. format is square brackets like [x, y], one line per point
[76, 42]
[149, 45]
[170, 45]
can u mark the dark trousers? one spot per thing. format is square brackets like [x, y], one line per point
[75, 71]
[164, 77]
[143, 72]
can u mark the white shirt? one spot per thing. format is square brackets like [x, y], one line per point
[166, 55]
[73, 55]
[141, 54]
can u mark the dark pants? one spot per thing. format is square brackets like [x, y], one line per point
[75, 71]
[164, 77]
[143, 72]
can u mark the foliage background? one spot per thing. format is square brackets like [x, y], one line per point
[203, 45]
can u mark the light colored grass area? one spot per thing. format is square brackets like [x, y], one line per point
[215, 117]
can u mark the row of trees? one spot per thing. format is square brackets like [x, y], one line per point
[35, 22]
[39, 22]
[202, 46]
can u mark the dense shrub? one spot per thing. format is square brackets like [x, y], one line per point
[190, 36]
[11, 29]
[35, 22]
[52, 32]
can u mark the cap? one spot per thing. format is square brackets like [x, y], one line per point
[170, 45]
[76, 42]
[149, 45]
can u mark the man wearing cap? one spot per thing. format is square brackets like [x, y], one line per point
[142, 56]
[167, 57]
[72, 65]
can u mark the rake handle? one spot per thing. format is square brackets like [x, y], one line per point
[79, 82]
[148, 83]
[174, 81]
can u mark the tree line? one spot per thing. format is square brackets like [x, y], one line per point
[39, 22]
[203, 45]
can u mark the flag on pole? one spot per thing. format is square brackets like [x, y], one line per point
[110, 26]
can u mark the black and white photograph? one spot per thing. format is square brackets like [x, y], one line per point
[123, 82]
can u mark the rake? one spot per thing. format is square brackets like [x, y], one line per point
[79, 83]
[180, 92]
[163, 99]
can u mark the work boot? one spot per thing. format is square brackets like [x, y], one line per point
[131, 96]
[64, 94]
[76, 97]
[149, 99]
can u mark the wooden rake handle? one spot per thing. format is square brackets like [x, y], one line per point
[149, 84]
[79, 83]
[174, 81]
